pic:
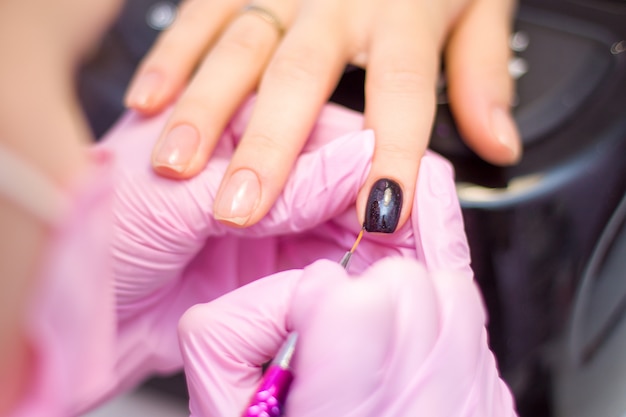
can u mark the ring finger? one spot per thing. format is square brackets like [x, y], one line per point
[298, 81]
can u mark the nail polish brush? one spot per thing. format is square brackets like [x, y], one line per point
[269, 398]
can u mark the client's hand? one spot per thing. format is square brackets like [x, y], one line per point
[394, 341]
[215, 55]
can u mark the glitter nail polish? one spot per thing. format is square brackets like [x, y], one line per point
[384, 205]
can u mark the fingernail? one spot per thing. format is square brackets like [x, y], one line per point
[177, 148]
[142, 91]
[383, 207]
[505, 130]
[238, 198]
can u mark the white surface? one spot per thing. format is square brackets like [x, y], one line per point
[143, 402]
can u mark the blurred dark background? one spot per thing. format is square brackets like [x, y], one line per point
[548, 236]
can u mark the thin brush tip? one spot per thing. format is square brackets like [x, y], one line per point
[358, 240]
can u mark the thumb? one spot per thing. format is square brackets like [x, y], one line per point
[225, 342]
[408, 344]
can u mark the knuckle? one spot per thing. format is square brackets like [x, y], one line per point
[190, 107]
[194, 10]
[298, 65]
[267, 154]
[189, 15]
[238, 38]
[398, 150]
[263, 144]
[160, 54]
[171, 44]
[403, 81]
[196, 109]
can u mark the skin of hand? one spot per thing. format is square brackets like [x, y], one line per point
[40, 44]
[213, 56]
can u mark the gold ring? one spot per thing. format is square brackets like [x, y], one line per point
[266, 15]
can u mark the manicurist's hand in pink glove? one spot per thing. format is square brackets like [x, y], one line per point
[170, 253]
[400, 336]
[394, 341]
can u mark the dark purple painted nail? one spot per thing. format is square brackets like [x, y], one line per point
[383, 207]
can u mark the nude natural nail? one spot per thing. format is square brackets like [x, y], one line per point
[177, 148]
[504, 128]
[143, 90]
[384, 205]
[239, 198]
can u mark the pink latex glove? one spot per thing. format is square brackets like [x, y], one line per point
[394, 341]
[401, 339]
[70, 322]
[169, 252]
